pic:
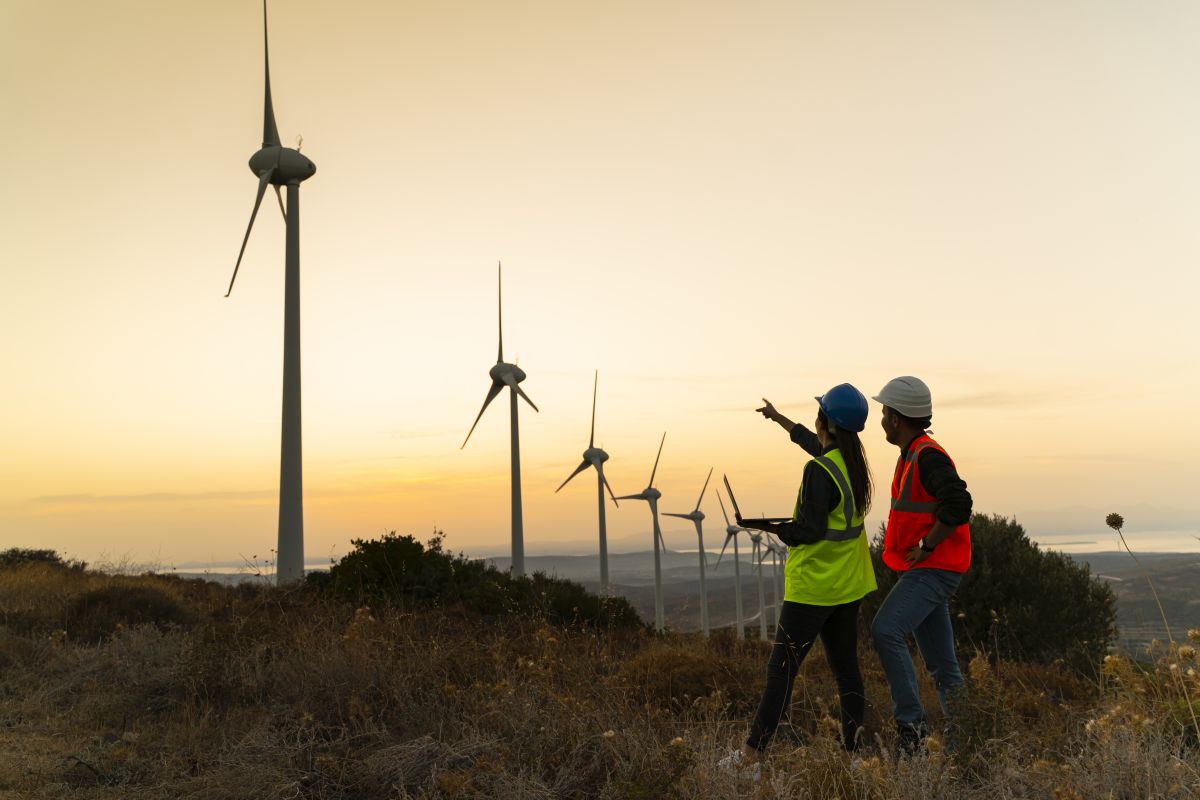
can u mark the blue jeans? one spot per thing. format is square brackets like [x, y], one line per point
[918, 604]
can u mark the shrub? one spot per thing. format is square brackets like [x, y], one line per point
[17, 556]
[1021, 602]
[400, 570]
[97, 613]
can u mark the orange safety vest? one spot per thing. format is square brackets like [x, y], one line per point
[912, 517]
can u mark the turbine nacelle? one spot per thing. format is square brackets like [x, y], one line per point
[651, 494]
[595, 456]
[502, 371]
[287, 166]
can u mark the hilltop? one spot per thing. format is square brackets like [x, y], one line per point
[117, 686]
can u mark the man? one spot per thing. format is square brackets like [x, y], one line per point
[928, 541]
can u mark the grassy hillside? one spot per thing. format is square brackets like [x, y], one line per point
[155, 687]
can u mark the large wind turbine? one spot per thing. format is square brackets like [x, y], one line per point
[651, 496]
[731, 532]
[504, 374]
[595, 457]
[277, 166]
[697, 516]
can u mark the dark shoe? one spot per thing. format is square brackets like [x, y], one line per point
[910, 739]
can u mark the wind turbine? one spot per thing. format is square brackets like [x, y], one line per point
[277, 166]
[510, 375]
[595, 457]
[697, 516]
[651, 495]
[731, 532]
[756, 540]
[773, 549]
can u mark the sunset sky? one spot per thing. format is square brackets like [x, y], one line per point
[708, 202]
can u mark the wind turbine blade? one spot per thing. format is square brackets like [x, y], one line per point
[723, 511]
[702, 491]
[578, 470]
[656, 458]
[500, 312]
[592, 436]
[637, 496]
[610, 491]
[521, 392]
[263, 180]
[270, 131]
[724, 545]
[279, 197]
[728, 536]
[491, 395]
[681, 516]
[512, 381]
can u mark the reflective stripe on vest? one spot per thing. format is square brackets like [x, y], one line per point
[851, 531]
[903, 501]
[837, 529]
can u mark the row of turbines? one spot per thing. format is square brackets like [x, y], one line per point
[285, 167]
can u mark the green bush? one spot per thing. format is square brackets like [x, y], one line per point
[1020, 602]
[399, 570]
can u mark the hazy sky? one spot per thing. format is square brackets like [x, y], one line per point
[708, 202]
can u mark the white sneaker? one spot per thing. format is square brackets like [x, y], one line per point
[737, 762]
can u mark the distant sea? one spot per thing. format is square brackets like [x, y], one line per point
[1139, 542]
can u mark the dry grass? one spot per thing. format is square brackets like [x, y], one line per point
[269, 694]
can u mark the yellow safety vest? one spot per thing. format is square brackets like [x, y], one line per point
[837, 569]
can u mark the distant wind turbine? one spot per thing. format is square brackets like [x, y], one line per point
[756, 539]
[277, 166]
[731, 532]
[595, 457]
[651, 496]
[504, 374]
[697, 516]
[773, 549]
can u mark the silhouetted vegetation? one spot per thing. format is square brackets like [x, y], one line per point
[97, 613]
[401, 571]
[14, 556]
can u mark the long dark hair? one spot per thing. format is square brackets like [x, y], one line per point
[857, 468]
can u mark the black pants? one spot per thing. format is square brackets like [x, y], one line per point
[799, 626]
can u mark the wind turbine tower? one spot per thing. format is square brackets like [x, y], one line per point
[277, 166]
[778, 552]
[651, 496]
[756, 539]
[697, 516]
[731, 532]
[595, 457]
[510, 375]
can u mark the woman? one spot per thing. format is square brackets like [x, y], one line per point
[828, 568]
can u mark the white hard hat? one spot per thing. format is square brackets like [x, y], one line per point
[908, 395]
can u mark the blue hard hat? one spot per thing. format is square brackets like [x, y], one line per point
[845, 406]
